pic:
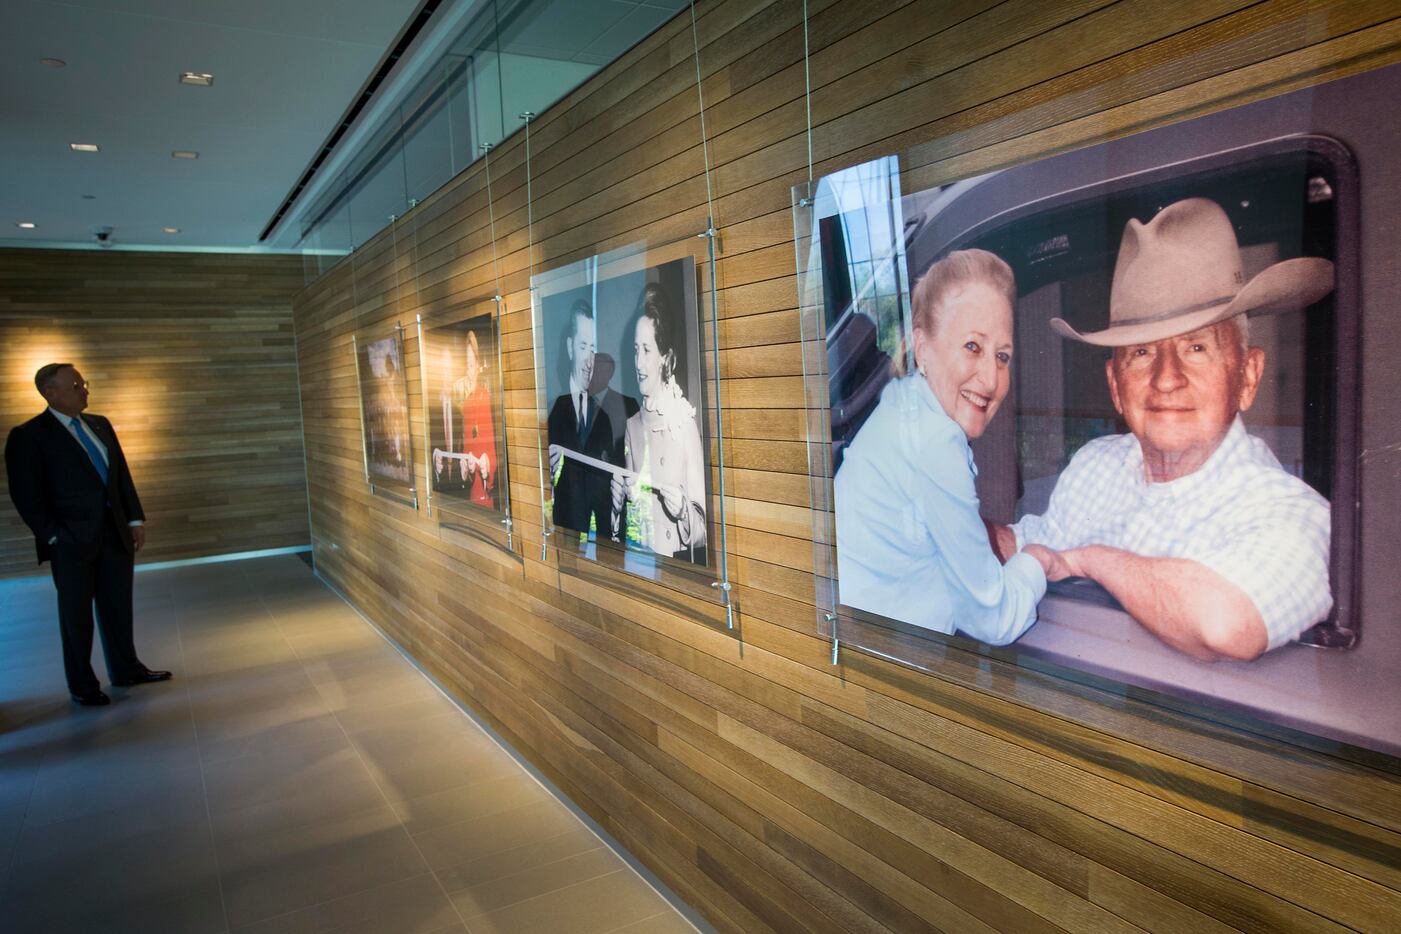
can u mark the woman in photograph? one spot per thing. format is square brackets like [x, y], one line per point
[911, 544]
[665, 480]
[478, 467]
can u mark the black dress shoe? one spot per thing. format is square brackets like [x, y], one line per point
[144, 676]
[93, 698]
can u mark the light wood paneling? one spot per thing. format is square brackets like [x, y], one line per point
[191, 356]
[773, 791]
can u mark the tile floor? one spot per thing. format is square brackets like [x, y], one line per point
[298, 776]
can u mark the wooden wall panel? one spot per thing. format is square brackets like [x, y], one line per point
[192, 357]
[771, 790]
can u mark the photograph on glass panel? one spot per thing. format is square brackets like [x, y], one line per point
[1104, 407]
[385, 403]
[466, 436]
[623, 376]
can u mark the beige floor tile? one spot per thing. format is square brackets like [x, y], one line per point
[290, 787]
[450, 760]
[470, 802]
[516, 858]
[367, 693]
[359, 719]
[269, 874]
[510, 890]
[595, 906]
[668, 922]
[266, 735]
[415, 905]
[470, 840]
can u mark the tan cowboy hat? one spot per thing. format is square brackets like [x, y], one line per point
[1181, 272]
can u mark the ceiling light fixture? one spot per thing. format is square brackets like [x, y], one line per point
[53, 62]
[83, 147]
[184, 154]
[27, 225]
[170, 230]
[197, 78]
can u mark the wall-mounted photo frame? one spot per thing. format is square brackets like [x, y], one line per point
[466, 469]
[1106, 410]
[626, 388]
[384, 414]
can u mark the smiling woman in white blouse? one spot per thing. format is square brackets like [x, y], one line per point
[911, 544]
[664, 490]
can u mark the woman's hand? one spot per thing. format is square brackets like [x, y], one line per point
[672, 501]
[1058, 565]
[484, 468]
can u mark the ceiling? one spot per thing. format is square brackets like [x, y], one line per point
[284, 73]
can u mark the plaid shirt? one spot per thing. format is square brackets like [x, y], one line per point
[1240, 514]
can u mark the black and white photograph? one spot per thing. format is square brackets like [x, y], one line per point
[627, 458]
[464, 414]
[384, 404]
[1105, 408]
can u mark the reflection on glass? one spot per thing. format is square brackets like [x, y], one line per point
[510, 56]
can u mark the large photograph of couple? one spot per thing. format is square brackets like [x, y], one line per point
[1106, 409]
[627, 461]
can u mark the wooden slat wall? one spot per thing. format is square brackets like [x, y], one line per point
[192, 358]
[771, 790]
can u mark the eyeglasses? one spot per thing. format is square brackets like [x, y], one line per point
[82, 384]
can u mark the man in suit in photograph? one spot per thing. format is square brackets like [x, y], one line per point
[577, 423]
[70, 483]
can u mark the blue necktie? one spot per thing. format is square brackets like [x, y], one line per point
[92, 450]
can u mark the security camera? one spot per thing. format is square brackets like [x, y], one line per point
[103, 235]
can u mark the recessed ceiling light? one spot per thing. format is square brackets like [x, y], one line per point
[83, 147]
[170, 230]
[53, 62]
[27, 225]
[197, 78]
[184, 154]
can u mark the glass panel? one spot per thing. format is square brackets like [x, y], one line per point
[625, 390]
[1059, 375]
[464, 417]
[507, 59]
[384, 413]
[377, 190]
[428, 153]
[1058, 366]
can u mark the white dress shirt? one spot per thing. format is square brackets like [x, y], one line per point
[67, 421]
[1240, 514]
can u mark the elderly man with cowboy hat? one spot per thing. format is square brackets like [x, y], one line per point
[1189, 521]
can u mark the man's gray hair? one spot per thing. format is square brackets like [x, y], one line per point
[1242, 323]
[46, 374]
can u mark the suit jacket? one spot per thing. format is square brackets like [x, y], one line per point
[57, 490]
[582, 491]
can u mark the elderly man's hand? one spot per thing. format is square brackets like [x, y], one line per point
[1058, 565]
[138, 537]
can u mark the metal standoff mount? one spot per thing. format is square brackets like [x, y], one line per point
[527, 115]
[486, 147]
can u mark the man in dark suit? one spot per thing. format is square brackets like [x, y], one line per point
[70, 483]
[576, 423]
